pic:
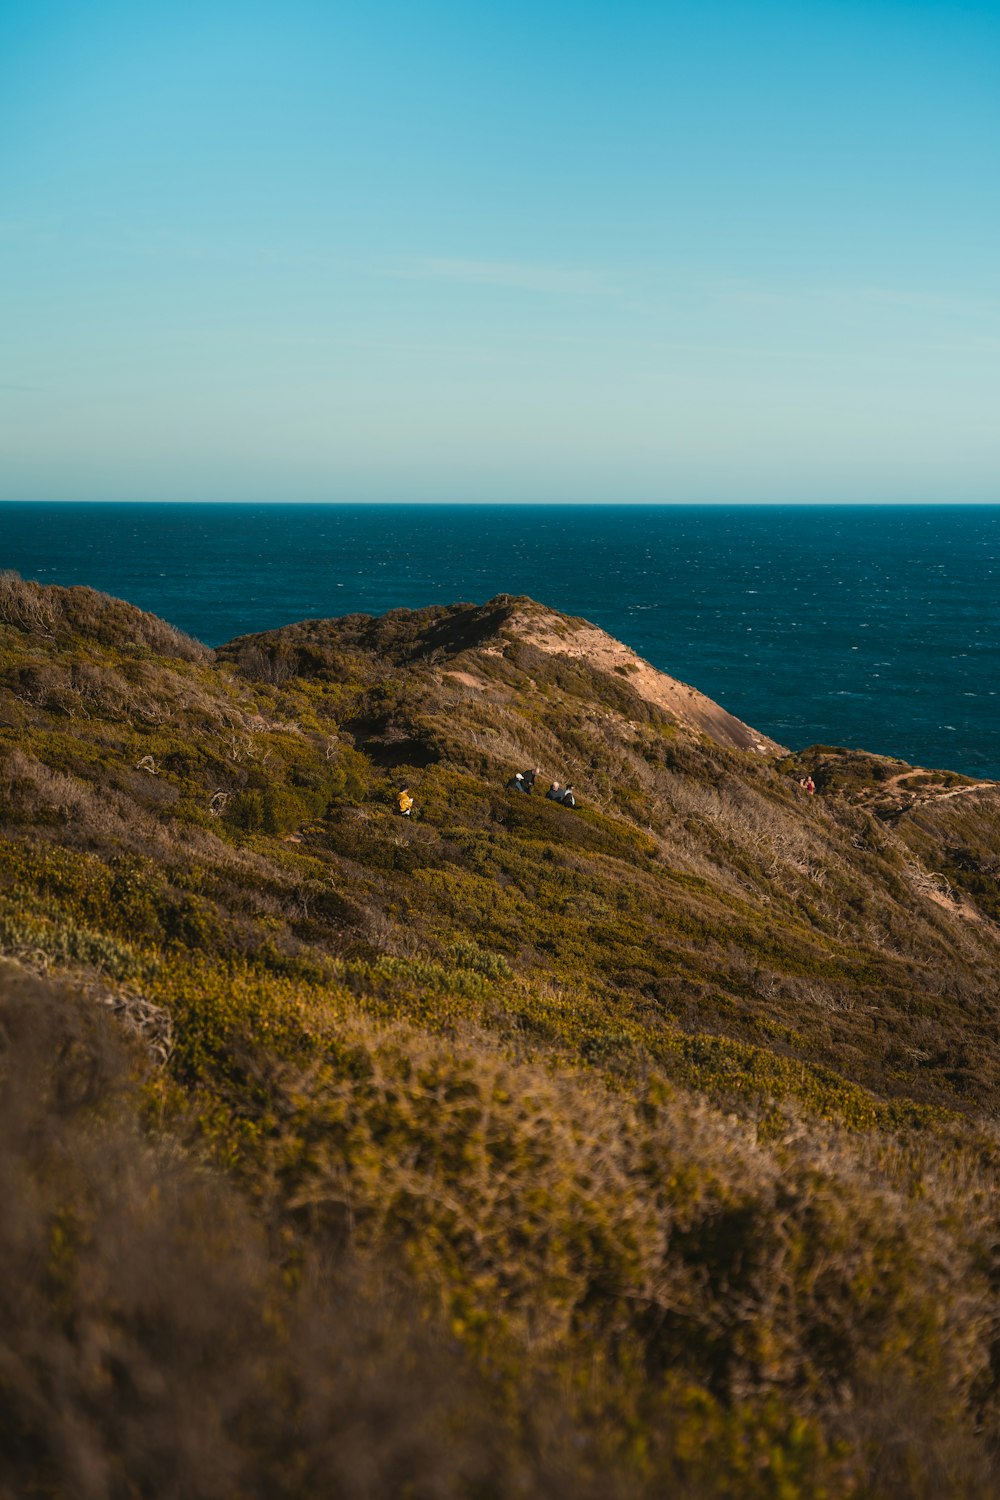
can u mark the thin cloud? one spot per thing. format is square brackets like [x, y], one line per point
[519, 275]
[864, 296]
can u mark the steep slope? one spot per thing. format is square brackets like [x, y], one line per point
[465, 636]
[677, 1109]
[808, 925]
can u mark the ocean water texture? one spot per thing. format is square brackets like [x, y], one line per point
[874, 627]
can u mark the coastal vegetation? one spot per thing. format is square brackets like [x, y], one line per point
[639, 1148]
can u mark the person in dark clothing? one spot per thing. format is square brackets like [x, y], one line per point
[555, 792]
[516, 784]
[528, 777]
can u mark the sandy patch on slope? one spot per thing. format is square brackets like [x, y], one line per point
[467, 679]
[561, 637]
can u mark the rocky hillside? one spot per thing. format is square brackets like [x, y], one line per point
[665, 1122]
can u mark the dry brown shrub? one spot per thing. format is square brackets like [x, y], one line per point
[38, 792]
[26, 606]
[42, 608]
[148, 1345]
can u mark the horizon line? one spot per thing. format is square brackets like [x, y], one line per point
[560, 504]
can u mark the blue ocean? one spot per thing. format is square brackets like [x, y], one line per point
[873, 627]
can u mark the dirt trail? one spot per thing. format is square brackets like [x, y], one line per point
[961, 791]
[930, 793]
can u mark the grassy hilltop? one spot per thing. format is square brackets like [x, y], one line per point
[637, 1149]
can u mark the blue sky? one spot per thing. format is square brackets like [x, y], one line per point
[406, 251]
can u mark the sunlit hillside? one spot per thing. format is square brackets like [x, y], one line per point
[636, 1148]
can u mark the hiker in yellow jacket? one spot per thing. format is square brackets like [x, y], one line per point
[405, 801]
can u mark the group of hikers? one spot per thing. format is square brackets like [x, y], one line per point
[521, 781]
[524, 781]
